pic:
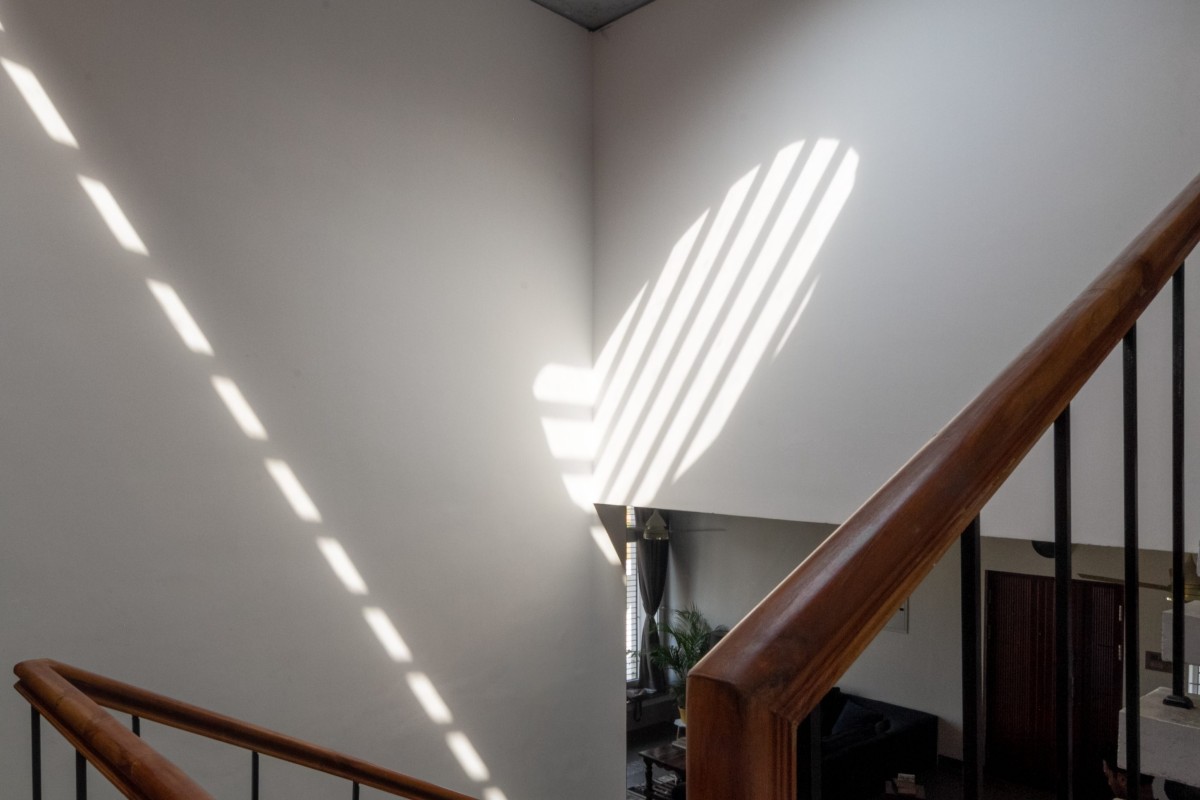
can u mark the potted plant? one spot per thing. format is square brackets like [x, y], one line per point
[682, 646]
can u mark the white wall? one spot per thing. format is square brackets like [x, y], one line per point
[725, 565]
[1005, 155]
[379, 214]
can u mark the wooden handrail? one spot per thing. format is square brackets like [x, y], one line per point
[746, 697]
[71, 699]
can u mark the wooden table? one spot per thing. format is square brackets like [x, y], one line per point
[668, 757]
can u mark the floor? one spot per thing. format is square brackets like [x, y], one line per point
[946, 784]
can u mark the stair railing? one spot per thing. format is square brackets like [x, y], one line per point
[748, 696]
[74, 702]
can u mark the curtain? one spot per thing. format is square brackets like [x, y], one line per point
[652, 581]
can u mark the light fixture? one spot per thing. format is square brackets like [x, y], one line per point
[656, 528]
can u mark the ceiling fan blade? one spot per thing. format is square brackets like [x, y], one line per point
[1120, 582]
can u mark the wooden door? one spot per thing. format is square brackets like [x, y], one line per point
[1020, 685]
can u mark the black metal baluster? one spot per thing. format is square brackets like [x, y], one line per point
[35, 730]
[1178, 696]
[1133, 760]
[1064, 694]
[136, 724]
[354, 794]
[972, 663]
[253, 775]
[80, 776]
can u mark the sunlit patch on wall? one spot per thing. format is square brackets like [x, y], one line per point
[787, 334]
[387, 635]
[673, 328]
[664, 392]
[341, 565]
[467, 757]
[429, 698]
[179, 317]
[112, 215]
[611, 399]
[600, 536]
[572, 386]
[290, 486]
[492, 793]
[786, 285]
[245, 417]
[39, 102]
[570, 439]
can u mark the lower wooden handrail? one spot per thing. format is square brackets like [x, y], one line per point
[746, 697]
[72, 699]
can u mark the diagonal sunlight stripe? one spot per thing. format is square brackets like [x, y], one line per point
[241, 411]
[576, 386]
[113, 216]
[292, 491]
[760, 273]
[492, 793]
[663, 289]
[600, 536]
[714, 301]
[681, 311]
[772, 314]
[608, 356]
[179, 317]
[387, 635]
[467, 757]
[341, 565]
[795, 318]
[427, 695]
[39, 102]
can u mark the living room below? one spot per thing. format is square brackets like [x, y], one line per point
[724, 565]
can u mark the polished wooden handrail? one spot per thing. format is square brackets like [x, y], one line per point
[71, 699]
[747, 696]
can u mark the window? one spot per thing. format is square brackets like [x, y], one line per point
[1193, 679]
[633, 613]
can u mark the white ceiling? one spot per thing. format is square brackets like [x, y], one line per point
[592, 14]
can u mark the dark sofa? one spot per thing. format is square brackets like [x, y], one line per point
[865, 742]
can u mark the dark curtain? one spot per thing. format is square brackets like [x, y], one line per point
[652, 581]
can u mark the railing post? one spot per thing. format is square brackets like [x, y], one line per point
[972, 663]
[35, 730]
[253, 775]
[1178, 696]
[1064, 692]
[135, 724]
[1133, 759]
[808, 757]
[80, 776]
[354, 791]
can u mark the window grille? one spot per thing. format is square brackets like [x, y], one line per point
[633, 613]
